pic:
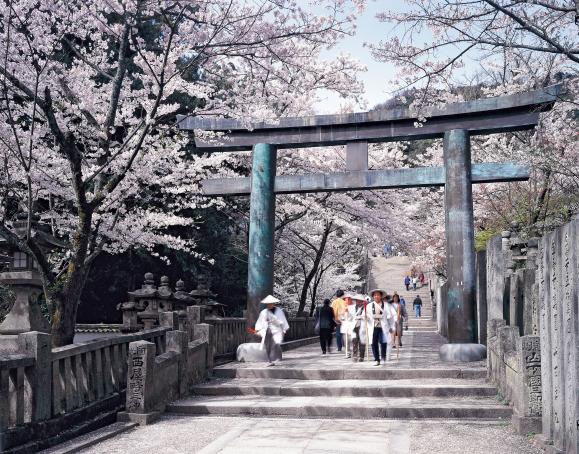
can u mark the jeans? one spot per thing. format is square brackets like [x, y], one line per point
[325, 338]
[417, 310]
[377, 345]
[338, 338]
[414, 285]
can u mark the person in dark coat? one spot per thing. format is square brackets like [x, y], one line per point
[417, 307]
[325, 319]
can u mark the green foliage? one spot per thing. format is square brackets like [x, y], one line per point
[481, 237]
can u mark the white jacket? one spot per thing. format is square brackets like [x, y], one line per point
[275, 321]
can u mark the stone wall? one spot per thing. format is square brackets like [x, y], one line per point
[514, 366]
[481, 296]
[495, 263]
[557, 277]
[533, 332]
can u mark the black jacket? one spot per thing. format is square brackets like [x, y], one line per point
[417, 301]
[325, 315]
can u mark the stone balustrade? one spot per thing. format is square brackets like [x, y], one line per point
[14, 379]
[45, 391]
[88, 372]
[229, 333]
[300, 328]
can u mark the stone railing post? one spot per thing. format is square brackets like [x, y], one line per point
[195, 316]
[169, 320]
[177, 342]
[507, 343]
[528, 404]
[493, 358]
[140, 384]
[38, 378]
[205, 332]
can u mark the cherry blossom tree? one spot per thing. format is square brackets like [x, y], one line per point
[451, 51]
[90, 90]
[434, 37]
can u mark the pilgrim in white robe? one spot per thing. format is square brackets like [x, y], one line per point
[271, 325]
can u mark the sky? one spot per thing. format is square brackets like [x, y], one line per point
[375, 79]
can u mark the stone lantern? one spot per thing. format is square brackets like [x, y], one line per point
[165, 295]
[202, 294]
[146, 302]
[182, 300]
[24, 279]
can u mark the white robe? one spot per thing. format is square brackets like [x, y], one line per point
[275, 321]
[365, 318]
[388, 321]
[347, 320]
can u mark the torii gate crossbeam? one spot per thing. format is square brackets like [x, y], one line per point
[453, 122]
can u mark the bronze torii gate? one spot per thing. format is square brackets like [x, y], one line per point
[453, 122]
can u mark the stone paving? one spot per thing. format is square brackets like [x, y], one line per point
[219, 435]
[419, 351]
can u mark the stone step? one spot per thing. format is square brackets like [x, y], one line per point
[353, 388]
[386, 372]
[345, 407]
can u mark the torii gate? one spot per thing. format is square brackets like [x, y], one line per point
[453, 122]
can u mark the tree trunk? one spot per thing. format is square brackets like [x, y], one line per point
[314, 270]
[65, 301]
[64, 294]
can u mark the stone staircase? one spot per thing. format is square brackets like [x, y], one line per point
[309, 385]
[415, 384]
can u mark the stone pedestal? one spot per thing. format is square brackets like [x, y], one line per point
[463, 352]
[251, 352]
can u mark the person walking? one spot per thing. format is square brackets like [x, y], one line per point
[389, 314]
[414, 282]
[347, 323]
[338, 306]
[417, 307]
[325, 320]
[375, 312]
[361, 331]
[407, 282]
[271, 325]
[401, 317]
[402, 300]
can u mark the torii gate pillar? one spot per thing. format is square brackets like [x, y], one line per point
[261, 229]
[460, 253]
